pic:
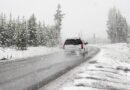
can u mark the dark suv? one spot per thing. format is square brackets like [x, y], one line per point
[74, 46]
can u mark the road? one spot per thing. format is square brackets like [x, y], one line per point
[33, 73]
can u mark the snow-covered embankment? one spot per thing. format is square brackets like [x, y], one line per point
[109, 70]
[13, 54]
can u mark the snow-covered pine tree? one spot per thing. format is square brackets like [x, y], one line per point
[41, 38]
[3, 31]
[44, 37]
[17, 33]
[23, 35]
[58, 22]
[128, 37]
[39, 33]
[52, 38]
[117, 26]
[32, 31]
[14, 27]
[10, 32]
[111, 25]
[122, 28]
[46, 34]
[49, 36]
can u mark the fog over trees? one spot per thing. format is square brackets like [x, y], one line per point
[118, 29]
[21, 33]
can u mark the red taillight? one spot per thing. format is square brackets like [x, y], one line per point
[81, 46]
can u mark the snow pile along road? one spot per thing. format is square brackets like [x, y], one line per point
[13, 54]
[109, 70]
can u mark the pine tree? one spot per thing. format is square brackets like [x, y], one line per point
[32, 31]
[3, 31]
[14, 27]
[44, 37]
[51, 37]
[128, 37]
[10, 32]
[117, 27]
[17, 33]
[23, 35]
[39, 33]
[41, 38]
[58, 22]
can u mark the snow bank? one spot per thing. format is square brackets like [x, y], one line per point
[12, 54]
[109, 70]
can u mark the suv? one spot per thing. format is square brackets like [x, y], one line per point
[74, 46]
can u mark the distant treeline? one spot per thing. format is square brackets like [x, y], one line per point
[118, 28]
[21, 33]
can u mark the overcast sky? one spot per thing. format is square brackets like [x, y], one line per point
[86, 17]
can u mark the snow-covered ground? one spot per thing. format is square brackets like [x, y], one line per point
[13, 54]
[108, 70]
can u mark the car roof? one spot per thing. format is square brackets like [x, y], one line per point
[73, 38]
[73, 41]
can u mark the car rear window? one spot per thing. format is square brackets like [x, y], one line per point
[73, 42]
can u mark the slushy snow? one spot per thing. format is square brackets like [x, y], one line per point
[108, 70]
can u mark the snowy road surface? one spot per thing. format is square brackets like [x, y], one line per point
[33, 73]
[108, 70]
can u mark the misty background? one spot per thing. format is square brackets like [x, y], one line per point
[82, 17]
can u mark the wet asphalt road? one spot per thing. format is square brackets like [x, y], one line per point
[33, 73]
